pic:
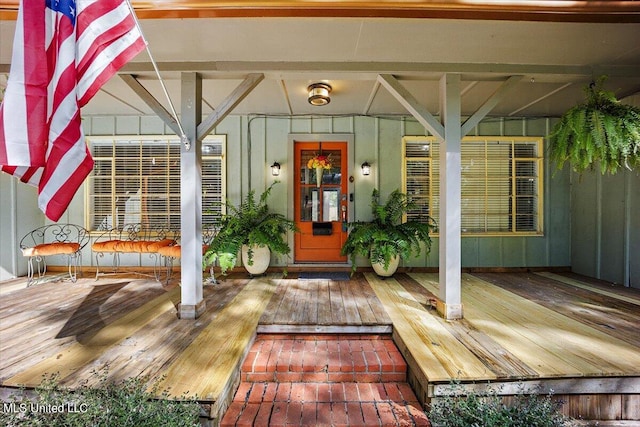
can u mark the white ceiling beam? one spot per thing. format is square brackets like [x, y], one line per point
[489, 104]
[152, 102]
[468, 88]
[122, 101]
[395, 68]
[409, 102]
[543, 97]
[285, 94]
[372, 95]
[208, 104]
[229, 103]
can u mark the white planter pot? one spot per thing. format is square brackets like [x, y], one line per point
[261, 259]
[393, 266]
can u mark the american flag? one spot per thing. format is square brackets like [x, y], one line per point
[63, 52]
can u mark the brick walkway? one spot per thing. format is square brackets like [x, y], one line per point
[330, 380]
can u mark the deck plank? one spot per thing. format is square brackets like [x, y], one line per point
[287, 307]
[324, 304]
[382, 317]
[277, 299]
[363, 304]
[338, 316]
[311, 306]
[304, 310]
[40, 322]
[352, 314]
[575, 342]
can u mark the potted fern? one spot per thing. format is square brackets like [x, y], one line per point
[386, 239]
[599, 131]
[251, 229]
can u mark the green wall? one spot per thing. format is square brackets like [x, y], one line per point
[254, 142]
[605, 224]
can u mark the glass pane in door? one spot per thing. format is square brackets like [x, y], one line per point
[330, 204]
[310, 204]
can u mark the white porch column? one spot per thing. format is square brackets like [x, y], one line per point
[192, 303]
[450, 304]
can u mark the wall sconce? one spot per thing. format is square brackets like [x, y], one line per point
[366, 168]
[275, 169]
[319, 94]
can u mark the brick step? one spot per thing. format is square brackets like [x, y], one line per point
[324, 404]
[324, 358]
[324, 380]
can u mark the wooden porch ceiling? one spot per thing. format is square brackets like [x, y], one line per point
[555, 47]
[529, 10]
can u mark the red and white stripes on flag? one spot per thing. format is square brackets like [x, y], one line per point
[63, 52]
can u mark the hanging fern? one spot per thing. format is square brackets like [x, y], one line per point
[599, 131]
[386, 235]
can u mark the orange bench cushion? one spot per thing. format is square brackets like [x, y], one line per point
[155, 246]
[106, 246]
[175, 251]
[142, 246]
[58, 248]
[170, 251]
[130, 246]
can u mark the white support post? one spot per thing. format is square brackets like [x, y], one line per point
[192, 304]
[450, 304]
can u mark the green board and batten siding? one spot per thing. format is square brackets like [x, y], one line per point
[253, 143]
[605, 226]
[378, 141]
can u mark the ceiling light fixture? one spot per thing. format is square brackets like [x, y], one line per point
[319, 94]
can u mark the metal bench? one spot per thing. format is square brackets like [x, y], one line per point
[56, 239]
[133, 239]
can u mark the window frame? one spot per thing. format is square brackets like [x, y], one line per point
[89, 193]
[433, 180]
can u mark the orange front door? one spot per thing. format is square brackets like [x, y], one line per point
[320, 202]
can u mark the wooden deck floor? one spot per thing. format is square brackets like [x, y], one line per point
[563, 331]
[325, 306]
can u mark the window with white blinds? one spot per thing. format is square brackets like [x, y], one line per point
[136, 179]
[501, 188]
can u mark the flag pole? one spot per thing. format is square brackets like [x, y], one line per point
[183, 136]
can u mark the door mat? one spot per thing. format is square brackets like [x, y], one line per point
[324, 275]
